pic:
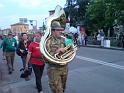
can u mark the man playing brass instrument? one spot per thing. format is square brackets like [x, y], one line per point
[57, 73]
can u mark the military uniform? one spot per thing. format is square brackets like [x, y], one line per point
[57, 73]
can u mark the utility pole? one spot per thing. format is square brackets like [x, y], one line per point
[34, 27]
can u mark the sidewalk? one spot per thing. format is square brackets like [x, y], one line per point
[14, 84]
[98, 46]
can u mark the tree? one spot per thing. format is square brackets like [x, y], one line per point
[103, 13]
[76, 10]
[95, 14]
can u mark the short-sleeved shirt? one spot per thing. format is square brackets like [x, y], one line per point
[68, 41]
[36, 55]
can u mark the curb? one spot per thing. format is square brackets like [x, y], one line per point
[112, 48]
[0, 73]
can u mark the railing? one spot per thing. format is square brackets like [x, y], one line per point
[113, 41]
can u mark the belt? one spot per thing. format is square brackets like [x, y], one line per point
[56, 65]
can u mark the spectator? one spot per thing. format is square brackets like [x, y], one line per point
[3, 48]
[102, 35]
[22, 49]
[36, 60]
[74, 30]
[10, 47]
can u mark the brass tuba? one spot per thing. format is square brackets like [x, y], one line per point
[70, 53]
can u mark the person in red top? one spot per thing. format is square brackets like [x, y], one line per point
[35, 56]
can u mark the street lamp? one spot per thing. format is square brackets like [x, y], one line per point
[77, 14]
[32, 24]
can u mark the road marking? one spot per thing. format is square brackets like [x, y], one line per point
[100, 62]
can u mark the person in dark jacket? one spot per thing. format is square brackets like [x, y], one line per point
[23, 48]
[22, 51]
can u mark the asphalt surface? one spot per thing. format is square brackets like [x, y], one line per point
[94, 70]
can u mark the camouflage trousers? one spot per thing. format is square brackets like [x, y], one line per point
[57, 78]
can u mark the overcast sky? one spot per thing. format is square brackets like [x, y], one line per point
[12, 10]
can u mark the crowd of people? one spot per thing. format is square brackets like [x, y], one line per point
[76, 34]
[32, 58]
[79, 34]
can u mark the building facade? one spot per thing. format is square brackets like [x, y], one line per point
[19, 28]
[5, 31]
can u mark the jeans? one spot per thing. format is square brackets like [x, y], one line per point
[38, 71]
[24, 62]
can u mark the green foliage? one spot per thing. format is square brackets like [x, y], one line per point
[76, 10]
[96, 13]
[103, 13]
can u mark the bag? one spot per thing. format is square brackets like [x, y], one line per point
[26, 73]
[18, 52]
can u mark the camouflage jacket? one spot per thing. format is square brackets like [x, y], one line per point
[54, 44]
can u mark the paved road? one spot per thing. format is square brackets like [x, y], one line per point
[93, 70]
[98, 71]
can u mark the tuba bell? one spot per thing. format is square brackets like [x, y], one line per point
[70, 52]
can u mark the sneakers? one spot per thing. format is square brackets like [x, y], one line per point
[27, 78]
[10, 72]
[4, 59]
